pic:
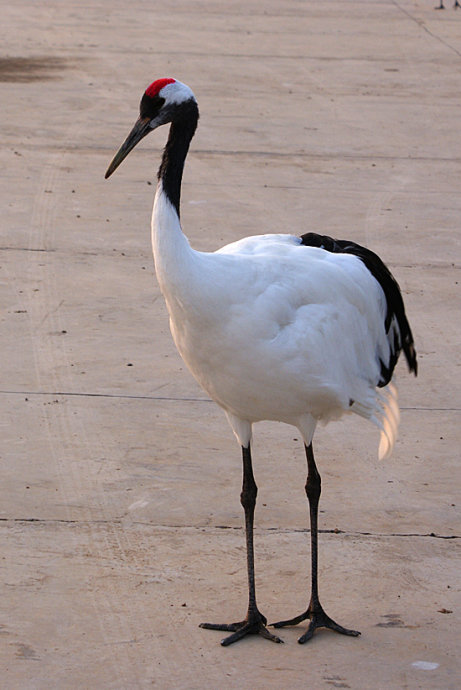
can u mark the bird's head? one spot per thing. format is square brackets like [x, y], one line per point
[165, 100]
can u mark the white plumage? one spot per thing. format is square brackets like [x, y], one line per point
[273, 327]
[293, 333]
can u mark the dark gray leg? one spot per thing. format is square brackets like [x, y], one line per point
[255, 622]
[316, 614]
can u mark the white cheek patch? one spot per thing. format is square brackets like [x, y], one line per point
[176, 92]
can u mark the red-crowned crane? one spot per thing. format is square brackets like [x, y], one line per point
[273, 327]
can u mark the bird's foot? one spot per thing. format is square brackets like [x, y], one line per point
[254, 624]
[318, 619]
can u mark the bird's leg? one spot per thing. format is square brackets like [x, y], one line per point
[316, 614]
[255, 622]
[456, 5]
[441, 6]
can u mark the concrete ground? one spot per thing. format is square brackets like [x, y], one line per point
[120, 517]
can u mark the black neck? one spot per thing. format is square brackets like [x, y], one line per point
[171, 168]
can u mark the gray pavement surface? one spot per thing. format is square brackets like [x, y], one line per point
[120, 520]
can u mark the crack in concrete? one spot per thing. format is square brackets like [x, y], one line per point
[105, 395]
[204, 528]
[128, 396]
[25, 249]
[421, 24]
[248, 153]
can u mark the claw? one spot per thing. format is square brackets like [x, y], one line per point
[254, 624]
[318, 619]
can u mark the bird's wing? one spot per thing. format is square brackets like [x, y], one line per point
[396, 323]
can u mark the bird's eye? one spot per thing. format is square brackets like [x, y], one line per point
[150, 107]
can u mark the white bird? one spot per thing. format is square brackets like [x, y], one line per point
[273, 327]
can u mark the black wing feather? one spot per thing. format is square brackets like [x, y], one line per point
[403, 338]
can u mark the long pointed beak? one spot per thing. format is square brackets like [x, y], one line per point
[139, 131]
